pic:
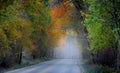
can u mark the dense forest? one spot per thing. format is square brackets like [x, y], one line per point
[33, 27]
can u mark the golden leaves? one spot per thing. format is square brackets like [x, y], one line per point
[59, 17]
[59, 11]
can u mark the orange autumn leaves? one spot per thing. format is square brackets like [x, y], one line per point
[60, 10]
[59, 18]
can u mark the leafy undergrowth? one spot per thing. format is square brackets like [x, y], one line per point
[94, 68]
[98, 69]
[25, 63]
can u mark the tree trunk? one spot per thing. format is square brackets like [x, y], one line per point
[20, 57]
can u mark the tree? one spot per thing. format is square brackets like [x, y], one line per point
[100, 24]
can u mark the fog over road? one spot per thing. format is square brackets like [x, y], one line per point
[54, 66]
[67, 59]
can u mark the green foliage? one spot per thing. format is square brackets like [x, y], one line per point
[100, 37]
[100, 69]
[9, 29]
[106, 69]
[100, 33]
[23, 27]
[38, 13]
[4, 43]
[8, 14]
[5, 3]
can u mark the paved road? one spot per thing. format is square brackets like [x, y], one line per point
[53, 66]
[69, 53]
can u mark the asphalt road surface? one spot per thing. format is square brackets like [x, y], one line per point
[53, 66]
[69, 59]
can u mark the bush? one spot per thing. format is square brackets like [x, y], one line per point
[106, 69]
[99, 69]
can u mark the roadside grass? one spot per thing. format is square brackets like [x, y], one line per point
[25, 63]
[95, 68]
